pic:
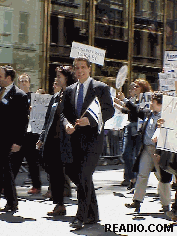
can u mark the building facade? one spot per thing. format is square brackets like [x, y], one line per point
[136, 31]
[36, 36]
[21, 38]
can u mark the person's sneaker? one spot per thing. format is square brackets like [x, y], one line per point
[172, 214]
[125, 182]
[34, 190]
[165, 208]
[174, 186]
[135, 204]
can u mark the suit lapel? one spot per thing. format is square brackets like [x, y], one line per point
[73, 97]
[10, 94]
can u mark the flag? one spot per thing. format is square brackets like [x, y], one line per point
[95, 111]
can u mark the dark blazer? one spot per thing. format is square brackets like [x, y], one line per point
[87, 137]
[13, 116]
[64, 138]
[145, 115]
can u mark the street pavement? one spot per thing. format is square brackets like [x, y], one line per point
[32, 220]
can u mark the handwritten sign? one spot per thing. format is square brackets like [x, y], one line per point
[93, 54]
[168, 132]
[144, 103]
[167, 81]
[170, 61]
[39, 103]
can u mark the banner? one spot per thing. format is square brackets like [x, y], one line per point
[39, 103]
[144, 102]
[95, 110]
[168, 132]
[93, 54]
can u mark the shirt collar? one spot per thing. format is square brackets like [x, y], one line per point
[8, 88]
[86, 83]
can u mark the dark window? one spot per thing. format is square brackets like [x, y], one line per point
[54, 29]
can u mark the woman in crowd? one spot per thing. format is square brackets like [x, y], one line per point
[55, 143]
[132, 139]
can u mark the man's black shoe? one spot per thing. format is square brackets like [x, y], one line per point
[77, 224]
[131, 186]
[125, 182]
[8, 208]
[135, 204]
[91, 220]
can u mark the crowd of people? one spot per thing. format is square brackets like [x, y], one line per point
[70, 140]
[140, 154]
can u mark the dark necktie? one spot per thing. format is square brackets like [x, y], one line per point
[80, 100]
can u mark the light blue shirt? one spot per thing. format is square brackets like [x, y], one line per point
[150, 128]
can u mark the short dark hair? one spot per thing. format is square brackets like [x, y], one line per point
[9, 71]
[157, 95]
[25, 75]
[68, 73]
[81, 59]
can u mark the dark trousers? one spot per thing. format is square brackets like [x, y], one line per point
[7, 178]
[28, 150]
[57, 180]
[80, 172]
[131, 150]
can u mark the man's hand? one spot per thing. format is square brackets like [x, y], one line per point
[120, 96]
[15, 148]
[157, 157]
[118, 101]
[39, 144]
[160, 122]
[154, 139]
[69, 128]
[83, 121]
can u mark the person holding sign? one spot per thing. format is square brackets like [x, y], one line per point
[132, 139]
[86, 137]
[28, 149]
[146, 161]
[55, 142]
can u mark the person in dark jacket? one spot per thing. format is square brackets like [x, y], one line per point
[132, 139]
[28, 149]
[13, 124]
[55, 142]
[86, 137]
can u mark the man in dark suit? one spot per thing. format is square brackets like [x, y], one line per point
[13, 122]
[86, 141]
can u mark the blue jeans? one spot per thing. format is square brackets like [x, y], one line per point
[132, 146]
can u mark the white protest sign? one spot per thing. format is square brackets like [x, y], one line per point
[167, 81]
[170, 61]
[168, 132]
[93, 54]
[118, 121]
[121, 76]
[144, 103]
[39, 103]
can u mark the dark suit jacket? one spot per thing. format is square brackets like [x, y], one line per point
[87, 139]
[13, 116]
[47, 135]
